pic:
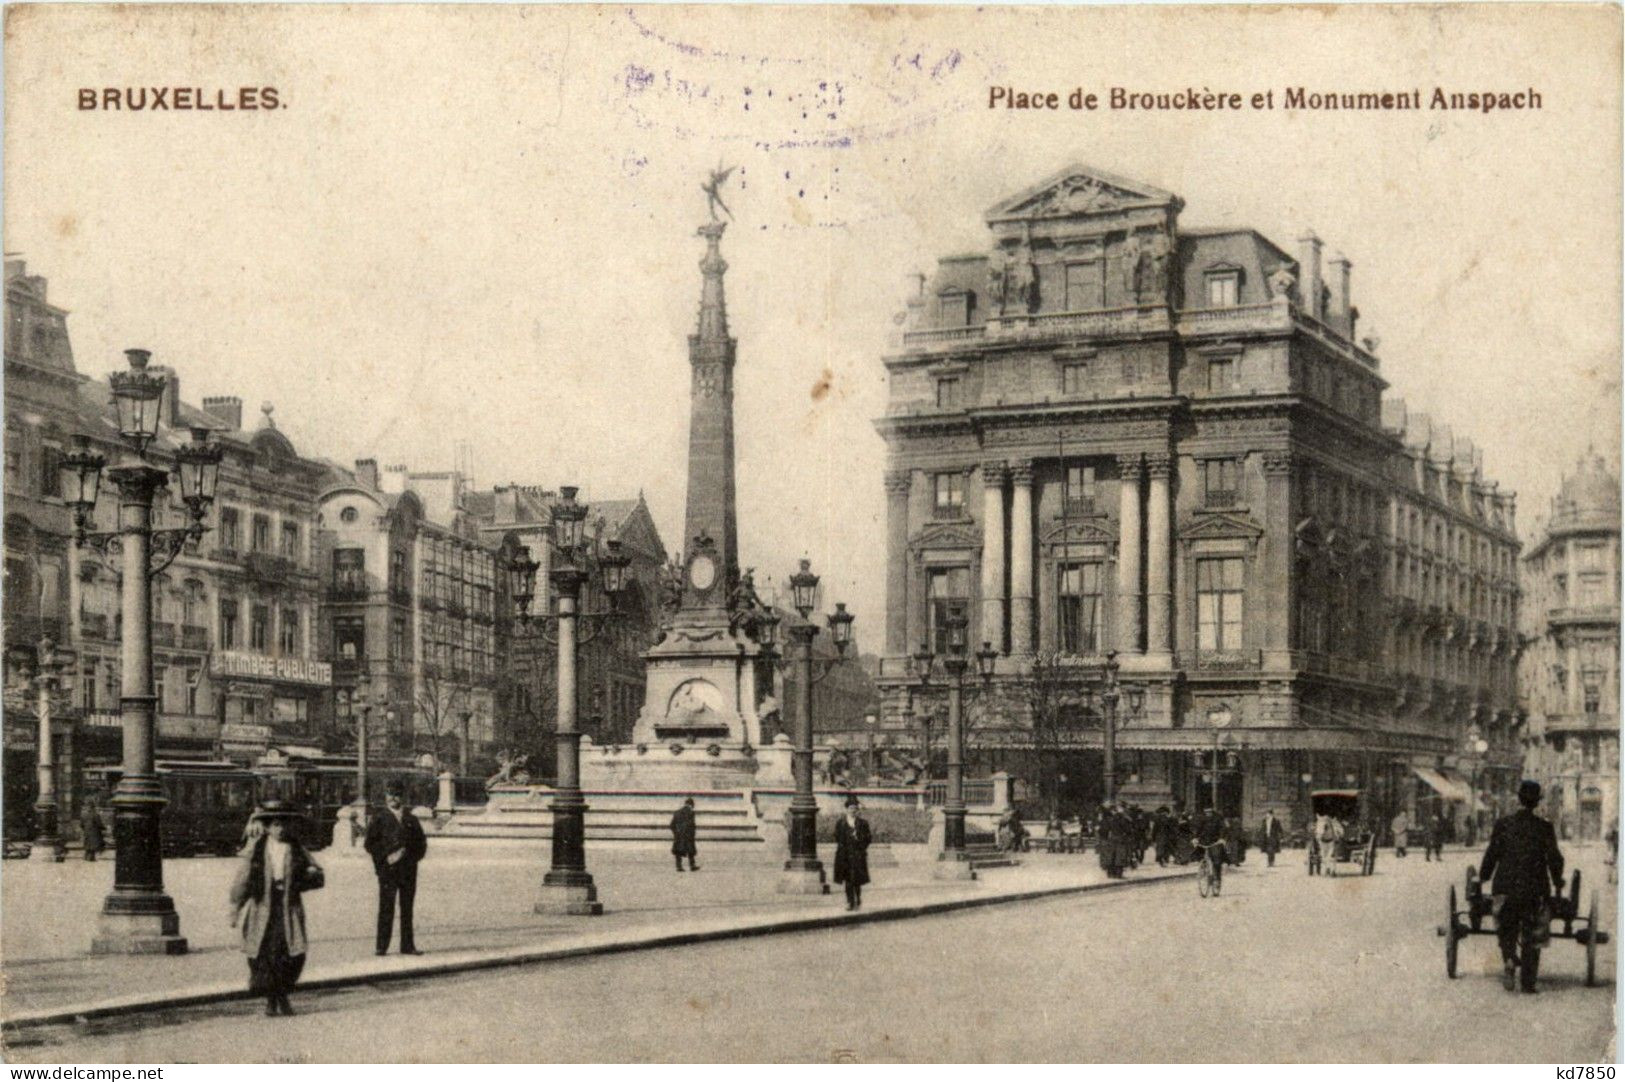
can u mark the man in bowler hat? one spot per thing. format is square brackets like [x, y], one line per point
[396, 843]
[1526, 865]
[852, 853]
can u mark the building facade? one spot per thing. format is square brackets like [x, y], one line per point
[1570, 671]
[1107, 433]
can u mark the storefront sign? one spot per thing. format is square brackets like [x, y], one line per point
[291, 669]
[246, 734]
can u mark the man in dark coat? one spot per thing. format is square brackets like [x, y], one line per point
[1433, 838]
[852, 853]
[1162, 835]
[90, 823]
[683, 836]
[1269, 836]
[1210, 834]
[1525, 864]
[396, 843]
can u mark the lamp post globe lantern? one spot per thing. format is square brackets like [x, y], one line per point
[522, 581]
[138, 396]
[804, 589]
[569, 517]
[197, 471]
[613, 564]
[954, 862]
[82, 481]
[840, 627]
[986, 659]
[767, 631]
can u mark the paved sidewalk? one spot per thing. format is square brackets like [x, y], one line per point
[473, 910]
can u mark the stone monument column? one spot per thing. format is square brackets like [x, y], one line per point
[1129, 470]
[1021, 557]
[993, 474]
[897, 486]
[1158, 635]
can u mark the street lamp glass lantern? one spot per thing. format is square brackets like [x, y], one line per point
[82, 476]
[1135, 696]
[840, 627]
[138, 395]
[956, 632]
[804, 588]
[986, 658]
[197, 465]
[614, 563]
[568, 519]
[767, 630]
[522, 579]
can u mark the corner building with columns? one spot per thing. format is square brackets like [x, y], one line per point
[1108, 433]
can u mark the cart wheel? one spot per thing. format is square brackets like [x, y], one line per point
[1451, 936]
[1202, 881]
[1591, 942]
[1574, 892]
[1371, 857]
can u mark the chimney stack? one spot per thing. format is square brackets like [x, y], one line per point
[1309, 287]
[227, 408]
[172, 395]
[1341, 315]
[506, 503]
[366, 471]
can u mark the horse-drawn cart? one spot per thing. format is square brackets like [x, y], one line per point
[1335, 836]
[1561, 920]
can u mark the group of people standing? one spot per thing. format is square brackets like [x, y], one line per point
[275, 871]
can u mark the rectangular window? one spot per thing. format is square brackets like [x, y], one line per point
[950, 593]
[259, 627]
[260, 541]
[50, 479]
[398, 579]
[1074, 377]
[194, 678]
[290, 540]
[229, 529]
[950, 493]
[953, 309]
[1218, 603]
[349, 638]
[948, 393]
[397, 639]
[1589, 589]
[290, 713]
[1085, 287]
[1223, 290]
[1221, 482]
[1560, 589]
[288, 632]
[1080, 608]
[1221, 374]
[228, 623]
[1591, 688]
[350, 570]
[1080, 488]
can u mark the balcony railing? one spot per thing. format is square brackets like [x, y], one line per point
[194, 637]
[348, 588]
[163, 634]
[978, 791]
[1221, 497]
[1584, 614]
[1227, 660]
[93, 625]
[1078, 506]
[952, 512]
[270, 568]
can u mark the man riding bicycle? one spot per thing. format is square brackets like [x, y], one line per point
[1210, 839]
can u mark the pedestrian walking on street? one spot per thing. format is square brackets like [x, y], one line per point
[683, 833]
[1433, 838]
[1162, 835]
[852, 853]
[1209, 827]
[1269, 836]
[1401, 827]
[396, 843]
[1522, 857]
[90, 825]
[266, 905]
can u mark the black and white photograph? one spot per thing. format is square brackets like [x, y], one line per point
[664, 534]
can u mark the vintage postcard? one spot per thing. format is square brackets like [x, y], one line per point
[811, 534]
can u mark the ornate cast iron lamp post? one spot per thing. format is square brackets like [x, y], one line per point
[568, 887]
[138, 917]
[803, 871]
[47, 677]
[953, 861]
[1110, 696]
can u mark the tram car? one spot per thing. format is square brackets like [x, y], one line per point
[207, 809]
[321, 785]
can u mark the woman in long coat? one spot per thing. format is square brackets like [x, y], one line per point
[852, 853]
[273, 873]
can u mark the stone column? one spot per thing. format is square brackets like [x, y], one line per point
[993, 474]
[1576, 702]
[1021, 558]
[1279, 544]
[1129, 469]
[897, 486]
[1158, 625]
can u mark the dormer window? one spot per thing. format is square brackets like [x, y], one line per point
[953, 308]
[1223, 285]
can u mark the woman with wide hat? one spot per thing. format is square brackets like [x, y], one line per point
[266, 905]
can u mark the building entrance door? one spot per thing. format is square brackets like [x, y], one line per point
[1590, 819]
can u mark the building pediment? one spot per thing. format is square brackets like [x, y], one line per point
[947, 535]
[1079, 532]
[1221, 525]
[1079, 191]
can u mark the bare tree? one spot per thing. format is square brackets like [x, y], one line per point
[438, 705]
[1057, 705]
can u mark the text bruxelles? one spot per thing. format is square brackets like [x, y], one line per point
[157, 99]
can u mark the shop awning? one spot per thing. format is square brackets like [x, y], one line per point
[1447, 787]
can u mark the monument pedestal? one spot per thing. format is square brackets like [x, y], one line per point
[144, 924]
[953, 865]
[801, 877]
[569, 895]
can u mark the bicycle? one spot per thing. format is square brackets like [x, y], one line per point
[1208, 875]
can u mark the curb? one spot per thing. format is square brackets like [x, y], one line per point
[471, 962]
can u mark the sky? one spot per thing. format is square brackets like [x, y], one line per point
[470, 230]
